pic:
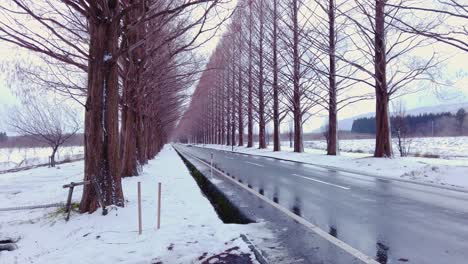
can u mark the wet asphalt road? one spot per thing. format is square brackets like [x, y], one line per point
[395, 222]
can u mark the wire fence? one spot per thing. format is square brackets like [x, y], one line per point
[39, 165]
[29, 207]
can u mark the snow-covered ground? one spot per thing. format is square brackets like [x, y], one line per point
[22, 157]
[191, 232]
[447, 147]
[444, 172]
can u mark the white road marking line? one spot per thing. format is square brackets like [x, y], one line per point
[369, 200]
[324, 182]
[352, 251]
[255, 164]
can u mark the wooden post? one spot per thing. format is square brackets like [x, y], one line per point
[69, 199]
[71, 186]
[140, 226]
[159, 205]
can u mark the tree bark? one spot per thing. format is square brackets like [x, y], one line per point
[239, 106]
[250, 92]
[332, 139]
[142, 139]
[129, 153]
[223, 114]
[261, 99]
[233, 95]
[383, 144]
[133, 70]
[218, 117]
[298, 147]
[101, 117]
[276, 119]
[228, 117]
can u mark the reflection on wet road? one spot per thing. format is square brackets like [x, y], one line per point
[392, 221]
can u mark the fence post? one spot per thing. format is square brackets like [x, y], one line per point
[159, 205]
[69, 199]
[140, 227]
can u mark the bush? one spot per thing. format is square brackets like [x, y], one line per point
[430, 155]
[426, 155]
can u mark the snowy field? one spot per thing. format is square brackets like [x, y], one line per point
[191, 231]
[442, 172]
[446, 147]
[11, 158]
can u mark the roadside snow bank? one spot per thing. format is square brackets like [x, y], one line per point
[191, 232]
[447, 147]
[445, 172]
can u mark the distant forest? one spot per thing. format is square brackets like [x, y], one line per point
[428, 124]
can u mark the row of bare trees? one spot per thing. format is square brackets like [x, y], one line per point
[296, 58]
[128, 62]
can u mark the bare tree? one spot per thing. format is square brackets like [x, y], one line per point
[387, 60]
[306, 56]
[47, 122]
[261, 82]
[400, 128]
[276, 110]
[93, 37]
[451, 14]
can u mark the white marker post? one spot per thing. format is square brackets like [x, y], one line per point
[211, 167]
[159, 206]
[140, 225]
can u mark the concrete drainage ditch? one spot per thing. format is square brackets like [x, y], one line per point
[226, 211]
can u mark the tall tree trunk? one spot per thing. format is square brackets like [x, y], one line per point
[383, 144]
[276, 119]
[141, 139]
[219, 113]
[228, 117]
[239, 111]
[298, 147]
[223, 113]
[332, 139]
[213, 119]
[261, 99]
[250, 92]
[101, 117]
[133, 69]
[233, 99]
[129, 150]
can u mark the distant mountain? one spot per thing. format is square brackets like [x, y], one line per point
[347, 123]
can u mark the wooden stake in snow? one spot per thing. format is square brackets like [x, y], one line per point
[159, 205]
[71, 186]
[139, 209]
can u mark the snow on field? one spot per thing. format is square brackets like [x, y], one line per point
[447, 147]
[445, 172]
[191, 232]
[22, 157]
